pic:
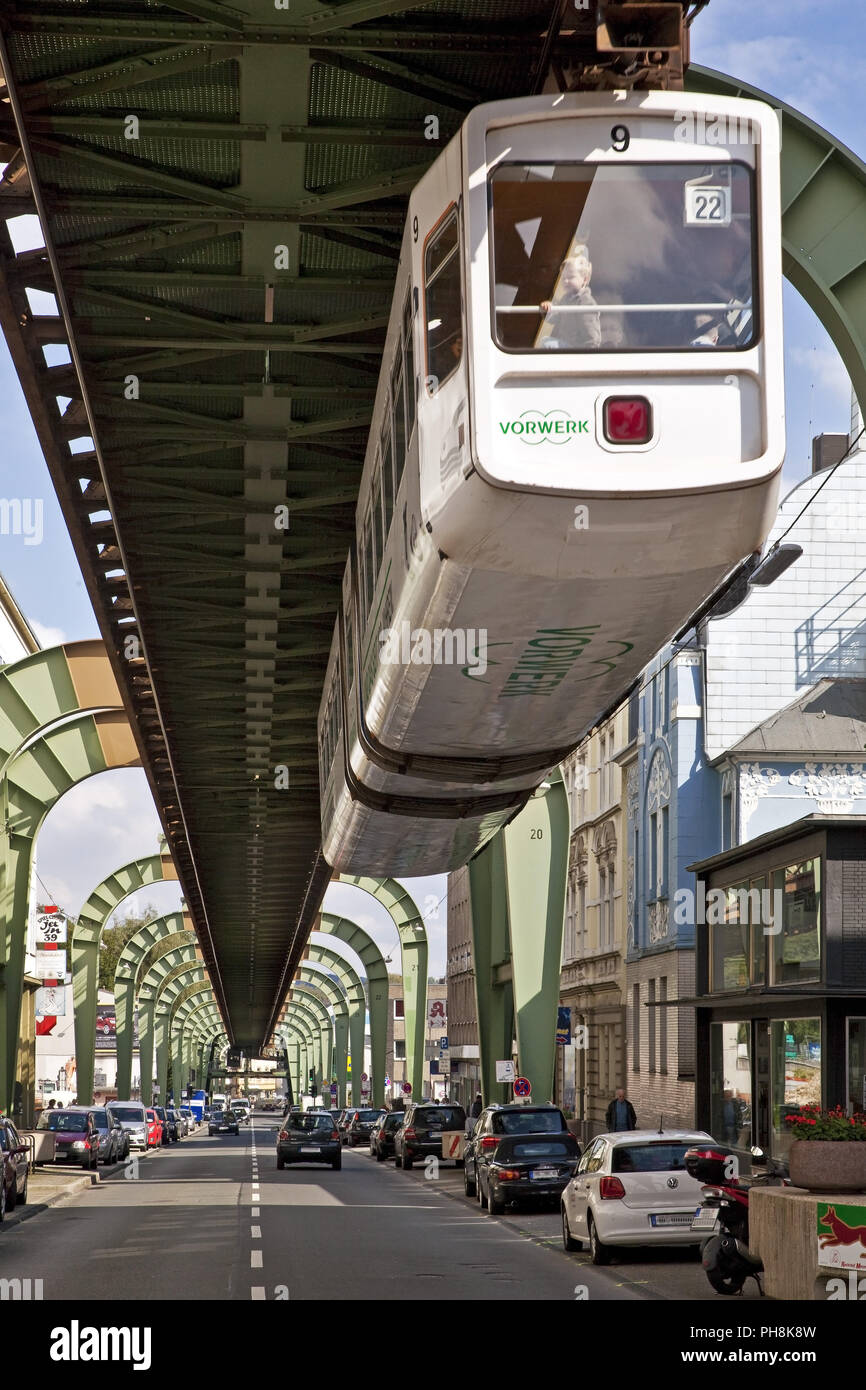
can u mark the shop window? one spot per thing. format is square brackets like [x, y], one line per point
[731, 1084]
[795, 1074]
[796, 949]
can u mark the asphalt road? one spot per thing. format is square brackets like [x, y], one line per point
[211, 1218]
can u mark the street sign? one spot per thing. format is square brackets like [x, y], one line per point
[406, 1088]
[505, 1071]
[333, 1088]
[522, 1087]
[443, 1044]
[364, 1076]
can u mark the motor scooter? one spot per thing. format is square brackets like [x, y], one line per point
[724, 1211]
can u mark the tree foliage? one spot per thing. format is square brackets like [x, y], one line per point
[115, 937]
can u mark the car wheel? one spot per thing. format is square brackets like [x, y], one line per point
[598, 1252]
[494, 1207]
[11, 1196]
[337, 1164]
[568, 1241]
[380, 1157]
[458, 1163]
[468, 1183]
[281, 1162]
[398, 1160]
[407, 1162]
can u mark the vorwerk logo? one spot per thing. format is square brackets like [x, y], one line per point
[77, 1343]
[536, 427]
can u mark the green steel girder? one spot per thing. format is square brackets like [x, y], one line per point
[373, 961]
[182, 1035]
[180, 1061]
[35, 779]
[404, 913]
[295, 1026]
[322, 958]
[84, 951]
[169, 992]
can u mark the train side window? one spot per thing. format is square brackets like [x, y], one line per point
[378, 533]
[350, 648]
[389, 490]
[369, 566]
[398, 396]
[442, 300]
[408, 371]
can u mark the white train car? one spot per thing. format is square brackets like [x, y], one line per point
[578, 432]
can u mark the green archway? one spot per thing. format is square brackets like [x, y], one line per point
[135, 983]
[84, 952]
[403, 911]
[338, 1002]
[35, 780]
[306, 997]
[373, 961]
[823, 221]
[322, 958]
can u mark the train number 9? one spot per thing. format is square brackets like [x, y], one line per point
[620, 138]
[414, 228]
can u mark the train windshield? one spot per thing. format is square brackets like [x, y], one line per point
[623, 258]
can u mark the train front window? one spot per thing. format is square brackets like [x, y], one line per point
[443, 304]
[622, 258]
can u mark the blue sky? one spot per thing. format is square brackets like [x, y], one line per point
[806, 54]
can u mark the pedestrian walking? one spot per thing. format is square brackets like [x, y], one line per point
[477, 1107]
[620, 1113]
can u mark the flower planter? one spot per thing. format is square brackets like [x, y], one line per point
[828, 1165]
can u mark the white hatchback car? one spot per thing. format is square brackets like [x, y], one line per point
[632, 1188]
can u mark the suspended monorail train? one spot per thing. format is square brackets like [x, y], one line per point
[578, 432]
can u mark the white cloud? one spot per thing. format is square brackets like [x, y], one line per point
[48, 636]
[825, 370]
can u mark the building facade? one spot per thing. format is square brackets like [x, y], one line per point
[464, 1053]
[700, 778]
[591, 1047]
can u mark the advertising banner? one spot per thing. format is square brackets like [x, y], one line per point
[841, 1236]
[563, 1026]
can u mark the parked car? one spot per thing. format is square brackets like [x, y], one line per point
[222, 1122]
[357, 1130]
[110, 1136]
[76, 1137]
[191, 1121]
[420, 1133]
[13, 1168]
[382, 1135]
[132, 1116]
[632, 1188]
[310, 1138]
[497, 1121]
[175, 1125]
[154, 1129]
[166, 1136]
[528, 1169]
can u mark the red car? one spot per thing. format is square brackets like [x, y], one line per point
[154, 1130]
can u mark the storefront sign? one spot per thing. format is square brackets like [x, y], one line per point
[841, 1236]
[563, 1026]
[50, 929]
[50, 965]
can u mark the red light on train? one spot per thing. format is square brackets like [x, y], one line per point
[627, 420]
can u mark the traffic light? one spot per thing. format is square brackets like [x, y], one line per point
[314, 1090]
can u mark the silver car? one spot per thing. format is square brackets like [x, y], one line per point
[133, 1118]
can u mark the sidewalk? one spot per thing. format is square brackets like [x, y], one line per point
[49, 1187]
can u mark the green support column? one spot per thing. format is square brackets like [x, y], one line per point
[491, 954]
[373, 961]
[536, 864]
[406, 917]
[151, 943]
[85, 940]
[197, 984]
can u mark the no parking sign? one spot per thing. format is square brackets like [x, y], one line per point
[522, 1087]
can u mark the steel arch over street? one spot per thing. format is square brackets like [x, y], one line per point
[222, 196]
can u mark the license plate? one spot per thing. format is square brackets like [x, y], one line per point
[543, 1174]
[310, 1149]
[705, 1219]
[672, 1219]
